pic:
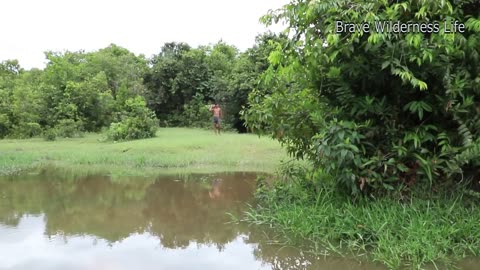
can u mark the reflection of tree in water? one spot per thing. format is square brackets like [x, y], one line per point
[178, 212]
[99, 207]
[88, 205]
[191, 215]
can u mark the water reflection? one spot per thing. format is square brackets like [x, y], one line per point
[138, 251]
[51, 221]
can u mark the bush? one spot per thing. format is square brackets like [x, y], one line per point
[138, 122]
[194, 114]
[377, 111]
[132, 128]
[4, 125]
[50, 134]
[69, 128]
[26, 130]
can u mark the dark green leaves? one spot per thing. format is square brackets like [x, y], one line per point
[418, 107]
[417, 91]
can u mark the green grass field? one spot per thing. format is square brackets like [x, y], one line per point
[173, 150]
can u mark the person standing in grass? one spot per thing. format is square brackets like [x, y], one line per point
[217, 117]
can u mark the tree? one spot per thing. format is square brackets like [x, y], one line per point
[246, 75]
[26, 105]
[376, 109]
[10, 71]
[87, 91]
[178, 73]
[121, 67]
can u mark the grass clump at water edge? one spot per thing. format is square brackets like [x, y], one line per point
[413, 234]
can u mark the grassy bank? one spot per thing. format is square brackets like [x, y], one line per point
[434, 233]
[174, 150]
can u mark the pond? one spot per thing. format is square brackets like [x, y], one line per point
[51, 220]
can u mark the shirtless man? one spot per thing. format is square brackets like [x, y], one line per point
[217, 117]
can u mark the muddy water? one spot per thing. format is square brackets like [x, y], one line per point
[60, 221]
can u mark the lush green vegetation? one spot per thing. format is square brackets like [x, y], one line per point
[380, 111]
[390, 123]
[77, 92]
[173, 150]
[433, 229]
[128, 95]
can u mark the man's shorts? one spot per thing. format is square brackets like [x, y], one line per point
[216, 120]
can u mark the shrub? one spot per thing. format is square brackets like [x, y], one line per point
[137, 122]
[194, 114]
[132, 128]
[26, 130]
[50, 134]
[378, 111]
[4, 125]
[69, 128]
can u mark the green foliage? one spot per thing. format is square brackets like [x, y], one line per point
[50, 134]
[89, 85]
[132, 128]
[76, 92]
[377, 110]
[180, 75]
[68, 128]
[436, 228]
[136, 122]
[9, 72]
[246, 75]
[121, 67]
[4, 125]
[196, 113]
[26, 130]
[90, 89]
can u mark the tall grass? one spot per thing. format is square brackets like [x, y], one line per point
[175, 150]
[401, 235]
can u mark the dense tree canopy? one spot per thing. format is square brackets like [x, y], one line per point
[89, 91]
[376, 109]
